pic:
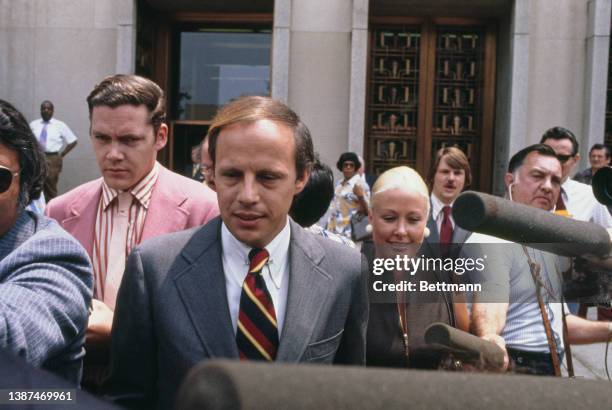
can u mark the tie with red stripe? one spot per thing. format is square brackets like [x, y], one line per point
[257, 333]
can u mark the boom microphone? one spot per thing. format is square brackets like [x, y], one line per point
[236, 385]
[531, 226]
[444, 335]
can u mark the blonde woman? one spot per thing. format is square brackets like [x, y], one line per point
[398, 215]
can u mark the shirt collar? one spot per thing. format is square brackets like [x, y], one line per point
[352, 180]
[278, 249]
[142, 191]
[437, 205]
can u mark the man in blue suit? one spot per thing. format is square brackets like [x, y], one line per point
[45, 275]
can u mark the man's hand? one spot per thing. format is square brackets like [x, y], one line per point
[499, 341]
[100, 323]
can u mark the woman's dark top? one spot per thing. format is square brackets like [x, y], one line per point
[385, 345]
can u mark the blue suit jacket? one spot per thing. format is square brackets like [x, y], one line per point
[45, 292]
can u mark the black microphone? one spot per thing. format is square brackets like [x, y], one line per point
[487, 214]
[441, 334]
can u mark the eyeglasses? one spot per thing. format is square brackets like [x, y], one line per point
[6, 178]
[564, 158]
[348, 165]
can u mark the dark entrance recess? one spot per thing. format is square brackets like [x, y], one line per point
[202, 53]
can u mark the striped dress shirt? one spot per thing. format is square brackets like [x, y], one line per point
[108, 212]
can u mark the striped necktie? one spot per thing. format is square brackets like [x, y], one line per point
[257, 333]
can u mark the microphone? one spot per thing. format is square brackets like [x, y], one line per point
[602, 185]
[474, 347]
[249, 385]
[487, 214]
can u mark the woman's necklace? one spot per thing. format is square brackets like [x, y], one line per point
[401, 312]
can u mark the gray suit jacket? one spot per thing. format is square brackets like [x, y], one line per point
[172, 311]
[45, 291]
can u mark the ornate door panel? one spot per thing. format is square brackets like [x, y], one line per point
[431, 84]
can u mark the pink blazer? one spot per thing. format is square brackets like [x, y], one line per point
[177, 203]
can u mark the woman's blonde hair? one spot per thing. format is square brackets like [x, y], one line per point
[404, 178]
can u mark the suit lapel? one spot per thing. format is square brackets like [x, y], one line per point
[460, 235]
[309, 288]
[201, 286]
[433, 239]
[165, 213]
[82, 218]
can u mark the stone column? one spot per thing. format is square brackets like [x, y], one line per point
[596, 75]
[281, 40]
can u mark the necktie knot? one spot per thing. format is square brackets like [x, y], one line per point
[447, 211]
[257, 259]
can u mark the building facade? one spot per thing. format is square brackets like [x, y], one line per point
[391, 79]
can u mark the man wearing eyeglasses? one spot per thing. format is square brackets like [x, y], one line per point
[576, 199]
[45, 274]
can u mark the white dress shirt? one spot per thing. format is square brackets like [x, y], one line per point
[582, 205]
[235, 258]
[437, 214]
[58, 134]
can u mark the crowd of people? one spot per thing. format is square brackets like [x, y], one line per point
[143, 273]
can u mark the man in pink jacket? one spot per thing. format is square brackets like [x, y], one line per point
[136, 198]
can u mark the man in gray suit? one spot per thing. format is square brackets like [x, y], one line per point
[250, 285]
[449, 175]
[45, 275]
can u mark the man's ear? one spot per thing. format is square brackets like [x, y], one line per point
[508, 179]
[301, 182]
[161, 138]
[577, 157]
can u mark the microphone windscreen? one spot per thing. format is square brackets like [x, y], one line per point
[455, 339]
[487, 214]
[224, 385]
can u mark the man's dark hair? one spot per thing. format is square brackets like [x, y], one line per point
[254, 108]
[47, 102]
[456, 159]
[600, 146]
[560, 133]
[16, 135]
[312, 203]
[348, 156]
[517, 159]
[122, 89]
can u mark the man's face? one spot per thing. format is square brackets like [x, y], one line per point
[207, 166]
[563, 148]
[598, 159]
[125, 145]
[9, 198]
[448, 182]
[537, 182]
[46, 111]
[255, 179]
